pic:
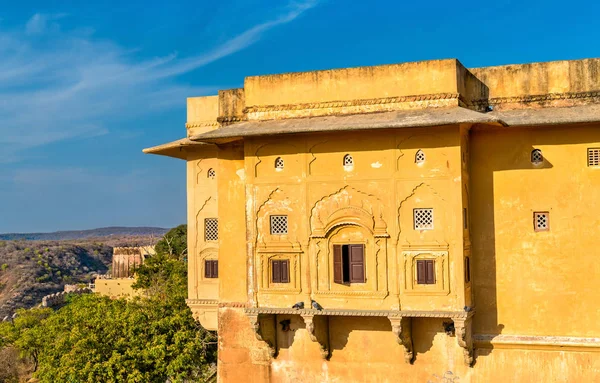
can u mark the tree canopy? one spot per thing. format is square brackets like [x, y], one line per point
[96, 339]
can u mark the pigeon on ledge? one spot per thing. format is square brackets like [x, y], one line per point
[315, 305]
[298, 306]
[467, 308]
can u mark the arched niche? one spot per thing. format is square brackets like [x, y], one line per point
[349, 216]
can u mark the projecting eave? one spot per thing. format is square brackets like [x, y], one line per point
[367, 121]
[176, 149]
[549, 116]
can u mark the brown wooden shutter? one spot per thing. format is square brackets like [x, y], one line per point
[276, 268]
[285, 271]
[421, 272]
[215, 269]
[337, 264]
[430, 277]
[207, 269]
[357, 264]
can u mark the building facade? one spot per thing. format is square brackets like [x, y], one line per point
[412, 222]
[119, 282]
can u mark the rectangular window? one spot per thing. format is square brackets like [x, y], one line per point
[211, 229]
[467, 270]
[465, 218]
[426, 272]
[280, 271]
[279, 224]
[423, 219]
[593, 156]
[211, 269]
[348, 264]
[541, 221]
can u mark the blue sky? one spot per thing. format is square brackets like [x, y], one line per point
[84, 86]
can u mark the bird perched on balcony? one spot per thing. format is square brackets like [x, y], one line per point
[298, 306]
[285, 325]
[468, 308]
[315, 305]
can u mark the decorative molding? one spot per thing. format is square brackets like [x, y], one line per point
[203, 302]
[537, 341]
[351, 103]
[332, 210]
[234, 305]
[527, 99]
[361, 313]
[201, 124]
[230, 119]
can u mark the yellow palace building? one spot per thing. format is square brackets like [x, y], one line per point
[416, 222]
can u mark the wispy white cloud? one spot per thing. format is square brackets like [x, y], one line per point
[58, 84]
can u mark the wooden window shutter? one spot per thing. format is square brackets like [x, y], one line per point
[430, 275]
[421, 272]
[215, 269]
[276, 269]
[285, 271]
[357, 264]
[207, 269]
[337, 264]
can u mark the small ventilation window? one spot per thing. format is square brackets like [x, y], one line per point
[348, 160]
[594, 157]
[279, 163]
[467, 270]
[279, 224]
[541, 221]
[465, 218]
[423, 219]
[419, 157]
[537, 157]
[211, 229]
[211, 174]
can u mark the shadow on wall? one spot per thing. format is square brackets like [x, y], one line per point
[504, 150]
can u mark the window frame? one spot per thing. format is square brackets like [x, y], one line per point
[275, 217]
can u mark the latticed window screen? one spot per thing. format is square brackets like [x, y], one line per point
[279, 224]
[541, 221]
[423, 219]
[348, 160]
[420, 157]
[211, 173]
[537, 157]
[279, 163]
[594, 157]
[211, 229]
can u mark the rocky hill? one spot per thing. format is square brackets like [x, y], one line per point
[86, 234]
[29, 270]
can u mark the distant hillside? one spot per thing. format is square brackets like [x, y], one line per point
[86, 234]
[30, 270]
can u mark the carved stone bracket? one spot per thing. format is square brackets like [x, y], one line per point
[255, 322]
[402, 328]
[463, 331]
[318, 332]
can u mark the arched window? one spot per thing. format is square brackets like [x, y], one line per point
[348, 160]
[211, 174]
[537, 157]
[419, 157]
[279, 163]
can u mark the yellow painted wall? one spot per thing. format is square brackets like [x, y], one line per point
[116, 288]
[527, 282]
